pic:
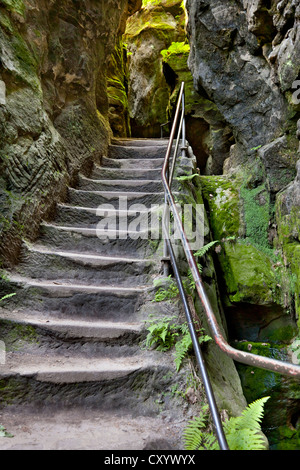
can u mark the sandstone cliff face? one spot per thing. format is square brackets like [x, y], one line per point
[148, 32]
[53, 101]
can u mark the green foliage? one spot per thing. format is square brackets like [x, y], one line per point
[166, 294]
[206, 248]
[185, 344]
[147, 3]
[166, 333]
[174, 49]
[186, 177]
[162, 333]
[7, 296]
[257, 215]
[242, 432]
[16, 6]
[4, 433]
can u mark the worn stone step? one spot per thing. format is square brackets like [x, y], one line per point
[133, 163]
[42, 263]
[85, 429]
[122, 174]
[143, 186]
[91, 217]
[70, 299]
[139, 142]
[83, 240]
[79, 197]
[70, 328]
[69, 370]
[107, 384]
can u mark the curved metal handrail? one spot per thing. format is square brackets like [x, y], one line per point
[255, 360]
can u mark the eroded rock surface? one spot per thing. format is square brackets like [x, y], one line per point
[54, 104]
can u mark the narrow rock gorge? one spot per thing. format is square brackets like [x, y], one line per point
[78, 80]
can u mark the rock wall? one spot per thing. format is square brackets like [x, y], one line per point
[148, 32]
[245, 61]
[53, 102]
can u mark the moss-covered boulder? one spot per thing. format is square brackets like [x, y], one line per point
[251, 272]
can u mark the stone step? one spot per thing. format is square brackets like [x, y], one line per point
[86, 240]
[93, 199]
[107, 384]
[132, 142]
[62, 370]
[144, 186]
[90, 217]
[70, 328]
[122, 174]
[133, 163]
[67, 299]
[50, 264]
[81, 428]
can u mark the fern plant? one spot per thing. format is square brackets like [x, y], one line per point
[162, 333]
[169, 293]
[242, 432]
[206, 248]
[165, 333]
[7, 296]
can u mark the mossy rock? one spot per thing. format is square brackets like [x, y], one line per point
[288, 230]
[15, 6]
[156, 20]
[248, 274]
[222, 198]
[16, 56]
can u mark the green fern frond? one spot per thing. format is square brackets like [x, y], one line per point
[245, 439]
[7, 296]
[242, 432]
[206, 248]
[252, 415]
[193, 434]
[182, 347]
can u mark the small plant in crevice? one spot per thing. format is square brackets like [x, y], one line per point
[167, 292]
[166, 333]
[7, 296]
[4, 433]
[242, 432]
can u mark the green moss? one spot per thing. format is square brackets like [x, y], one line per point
[257, 214]
[17, 335]
[248, 273]
[175, 49]
[284, 438]
[222, 199]
[16, 6]
[284, 393]
[288, 229]
[19, 59]
[158, 22]
[5, 22]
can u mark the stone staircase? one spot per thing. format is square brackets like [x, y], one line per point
[75, 375]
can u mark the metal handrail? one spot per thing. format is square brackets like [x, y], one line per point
[255, 360]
